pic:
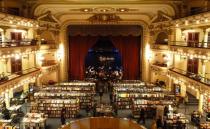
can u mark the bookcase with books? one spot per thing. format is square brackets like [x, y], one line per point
[83, 91]
[206, 102]
[53, 107]
[126, 92]
[71, 95]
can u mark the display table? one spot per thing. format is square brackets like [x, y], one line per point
[104, 110]
[5, 121]
[14, 107]
[205, 125]
[177, 121]
[34, 120]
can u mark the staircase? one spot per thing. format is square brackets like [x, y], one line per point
[192, 100]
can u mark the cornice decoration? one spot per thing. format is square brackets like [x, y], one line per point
[12, 20]
[104, 18]
[104, 10]
[48, 21]
[161, 17]
[192, 55]
[160, 22]
[105, 30]
[202, 19]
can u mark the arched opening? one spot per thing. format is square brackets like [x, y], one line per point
[162, 38]
[103, 61]
[47, 37]
[125, 38]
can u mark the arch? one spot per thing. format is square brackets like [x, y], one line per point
[63, 37]
[162, 38]
[47, 36]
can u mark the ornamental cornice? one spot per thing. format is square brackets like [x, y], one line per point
[21, 22]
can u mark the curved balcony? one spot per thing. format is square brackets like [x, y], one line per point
[48, 44]
[103, 123]
[192, 44]
[159, 46]
[18, 43]
[195, 77]
[13, 78]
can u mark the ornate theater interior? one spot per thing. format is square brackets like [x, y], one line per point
[104, 64]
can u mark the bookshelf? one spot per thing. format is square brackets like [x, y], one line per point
[126, 92]
[53, 107]
[71, 95]
[206, 103]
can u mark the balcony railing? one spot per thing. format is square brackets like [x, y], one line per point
[160, 64]
[11, 76]
[191, 44]
[46, 63]
[26, 42]
[193, 76]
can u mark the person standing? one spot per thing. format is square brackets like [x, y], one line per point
[159, 123]
[101, 91]
[142, 115]
[63, 119]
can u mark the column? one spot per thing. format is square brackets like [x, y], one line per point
[200, 104]
[63, 70]
[203, 72]
[7, 99]
[146, 64]
[205, 38]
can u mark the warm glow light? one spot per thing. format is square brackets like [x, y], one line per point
[17, 57]
[177, 25]
[197, 22]
[206, 20]
[60, 52]
[186, 22]
[148, 52]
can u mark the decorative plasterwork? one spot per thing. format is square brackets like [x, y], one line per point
[64, 12]
[48, 21]
[105, 30]
[191, 53]
[16, 50]
[49, 69]
[161, 17]
[104, 18]
[161, 22]
[189, 81]
[12, 83]
[16, 21]
[199, 20]
[105, 10]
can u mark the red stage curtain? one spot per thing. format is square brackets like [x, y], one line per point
[78, 49]
[128, 46]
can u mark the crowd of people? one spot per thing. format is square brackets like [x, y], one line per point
[104, 73]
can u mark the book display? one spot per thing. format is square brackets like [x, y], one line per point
[53, 107]
[34, 121]
[78, 90]
[205, 125]
[206, 103]
[72, 96]
[125, 92]
[176, 120]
